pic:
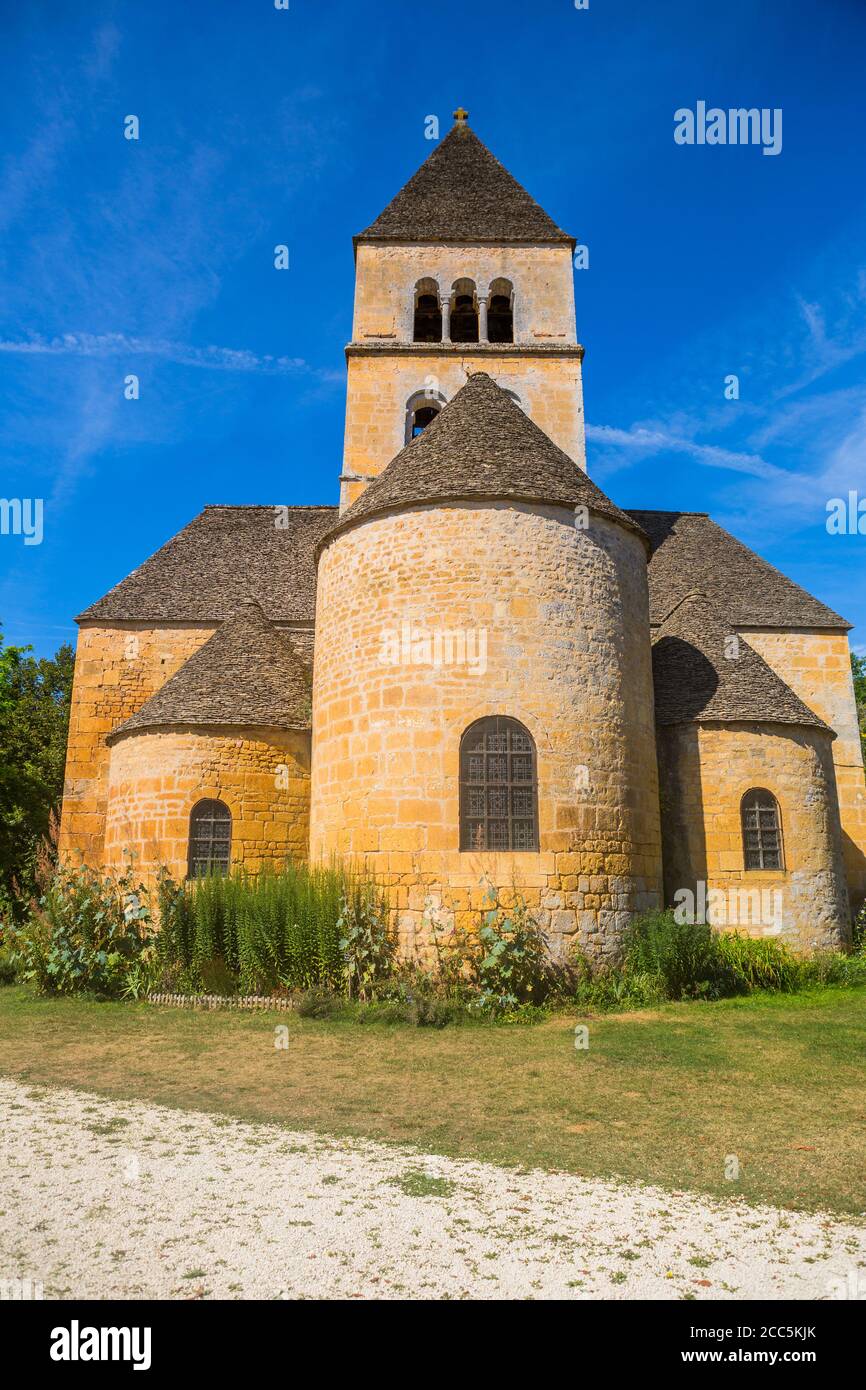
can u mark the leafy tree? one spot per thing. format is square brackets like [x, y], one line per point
[34, 720]
[858, 668]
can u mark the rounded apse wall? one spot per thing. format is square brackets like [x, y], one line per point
[705, 771]
[538, 620]
[156, 776]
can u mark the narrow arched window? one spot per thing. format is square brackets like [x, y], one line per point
[427, 324]
[762, 830]
[500, 312]
[210, 838]
[464, 312]
[498, 786]
[421, 410]
[422, 417]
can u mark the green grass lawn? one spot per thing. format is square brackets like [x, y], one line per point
[662, 1096]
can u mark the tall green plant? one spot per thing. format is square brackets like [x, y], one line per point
[277, 930]
[683, 956]
[367, 946]
[85, 934]
[759, 962]
[513, 961]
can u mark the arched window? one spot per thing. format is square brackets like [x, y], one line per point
[762, 830]
[464, 312]
[210, 838]
[428, 315]
[500, 312]
[421, 408]
[498, 786]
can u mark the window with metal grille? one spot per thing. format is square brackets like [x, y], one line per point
[210, 838]
[762, 830]
[498, 786]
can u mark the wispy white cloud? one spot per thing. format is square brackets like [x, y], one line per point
[815, 437]
[133, 262]
[123, 345]
[648, 441]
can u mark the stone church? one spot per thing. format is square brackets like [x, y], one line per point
[477, 667]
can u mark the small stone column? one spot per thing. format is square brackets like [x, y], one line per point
[482, 318]
[445, 306]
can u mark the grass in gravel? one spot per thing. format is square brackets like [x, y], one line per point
[418, 1184]
[662, 1096]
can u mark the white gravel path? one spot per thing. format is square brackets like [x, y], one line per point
[109, 1199]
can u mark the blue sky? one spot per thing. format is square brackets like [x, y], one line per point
[261, 126]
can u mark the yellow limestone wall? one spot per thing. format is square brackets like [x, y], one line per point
[385, 368]
[386, 276]
[157, 776]
[817, 666]
[704, 772]
[378, 387]
[565, 614]
[116, 669]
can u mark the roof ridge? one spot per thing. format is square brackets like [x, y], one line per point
[268, 506]
[690, 548]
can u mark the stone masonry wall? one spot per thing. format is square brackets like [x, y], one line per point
[704, 772]
[386, 276]
[564, 614]
[157, 776]
[117, 668]
[379, 386]
[385, 368]
[817, 666]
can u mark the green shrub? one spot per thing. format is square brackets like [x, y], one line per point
[367, 946]
[832, 968]
[512, 962]
[759, 962]
[685, 957]
[612, 991]
[86, 933]
[318, 1003]
[8, 964]
[667, 960]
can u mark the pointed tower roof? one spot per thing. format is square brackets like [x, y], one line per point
[700, 675]
[462, 194]
[481, 445]
[247, 673]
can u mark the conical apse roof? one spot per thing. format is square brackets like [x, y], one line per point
[482, 445]
[246, 673]
[704, 672]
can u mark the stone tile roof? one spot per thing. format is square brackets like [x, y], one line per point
[221, 557]
[482, 445]
[691, 552]
[696, 679]
[462, 194]
[246, 673]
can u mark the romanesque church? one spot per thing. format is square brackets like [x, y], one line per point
[476, 667]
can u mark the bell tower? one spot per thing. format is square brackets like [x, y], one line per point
[462, 272]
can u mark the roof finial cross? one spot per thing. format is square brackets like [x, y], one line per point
[461, 115]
